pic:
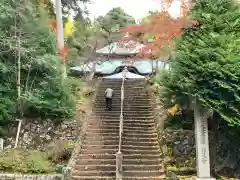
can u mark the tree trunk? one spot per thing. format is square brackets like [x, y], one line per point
[92, 74]
[156, 68]
[153, 67]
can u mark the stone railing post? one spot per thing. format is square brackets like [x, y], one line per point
[202, 143]
[119, 156]
[1, 144]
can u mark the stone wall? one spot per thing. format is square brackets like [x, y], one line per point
[36, 134]
[180, 154]
[30, 177]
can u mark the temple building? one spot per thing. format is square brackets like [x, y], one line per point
[112, 58]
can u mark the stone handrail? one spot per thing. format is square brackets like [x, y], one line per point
[119, 156]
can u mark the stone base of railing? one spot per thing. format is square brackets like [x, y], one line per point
[30, 177]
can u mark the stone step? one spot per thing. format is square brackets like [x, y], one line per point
[127, 88]
[115, 124]
[116, 127]
[138, 151]
[139, 134]
[141, 156]
[101, 138]
[142, 161]
[151, 173]
[114, 178]
[127, 111]
[126, 96]
[98, 151]
[113, 146]
[93, 178]
[140, 143]
[119, 85]
[94, 167]
[107, 116]
[124, 146]
[136, 119]
[129, 134]
[119, 81]
[126, 106]
[105, 142]
[108, 167]
[144, 178]
[104, 138]
[98, 156]
[148, 167]
[124, 151]
[93, 173]
[113, 156]
[90, 161]
[126, 122]
[128, 91]
[126, 131]
[127, 99]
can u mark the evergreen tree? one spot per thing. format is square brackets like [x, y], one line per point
[206, 64]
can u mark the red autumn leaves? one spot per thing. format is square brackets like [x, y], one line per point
[161, 29]
[63, 51]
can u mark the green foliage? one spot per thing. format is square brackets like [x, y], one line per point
[73, 5]
[51, 99]
[115, 17]
[25, 161]
[206, 64]
[110, 23]
[42, 91]
[88, 36]
[60, 150]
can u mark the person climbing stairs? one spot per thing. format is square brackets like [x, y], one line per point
[140, 148]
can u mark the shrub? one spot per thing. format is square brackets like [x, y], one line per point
[51, 99]
[25, 161]
[60, 150]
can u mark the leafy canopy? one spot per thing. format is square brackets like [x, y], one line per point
[206, 63]
[43, 93]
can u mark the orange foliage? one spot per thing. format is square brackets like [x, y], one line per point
[53, 24]
[63, 53]
[173, 110]
[163, 27]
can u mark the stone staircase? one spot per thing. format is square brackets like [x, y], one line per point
[141, 154]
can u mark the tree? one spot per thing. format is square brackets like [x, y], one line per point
[78, 43]
[110, 23]
[73, 5]
[43, 93]
[161, 29]
[206, 64]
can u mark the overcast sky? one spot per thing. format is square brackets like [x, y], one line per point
[135, 8]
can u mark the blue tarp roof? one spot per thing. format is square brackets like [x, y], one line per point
[108, 67]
